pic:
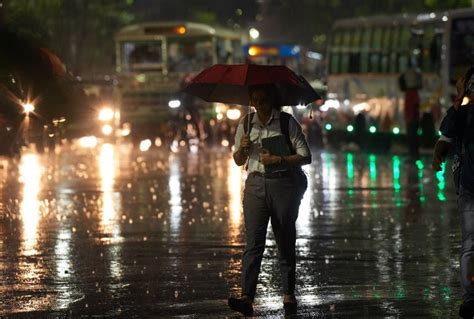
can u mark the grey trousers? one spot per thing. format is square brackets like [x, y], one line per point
[278, 201]
[466, 209]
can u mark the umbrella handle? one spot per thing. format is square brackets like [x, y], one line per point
[248, 119]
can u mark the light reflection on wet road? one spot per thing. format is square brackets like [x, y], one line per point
[112, 232]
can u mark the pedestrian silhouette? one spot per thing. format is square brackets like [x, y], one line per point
[457, 130]
[410, 83]
[273, 192]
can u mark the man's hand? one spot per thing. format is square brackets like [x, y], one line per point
[266, 158]
[241, 155]
[245, 141]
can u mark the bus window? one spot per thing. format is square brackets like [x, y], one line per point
[364, 54]
[435, 50]
[425, 57]
[237, 54]
[416, 46]
[462, 47]
[376, 48]
[404, 49]
[223, 51]
[345, 51]
[334, 66]
[354, 55]
[386, 49]
[189, 54]
[335, 53]
[393, 63]
[140, 55]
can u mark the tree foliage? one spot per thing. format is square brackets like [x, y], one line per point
[227, 13]
[81, 32]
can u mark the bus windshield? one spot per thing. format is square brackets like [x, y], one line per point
[462, 47]
[142, 55]
[189, 54]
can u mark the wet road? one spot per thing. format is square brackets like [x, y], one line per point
[113, 232]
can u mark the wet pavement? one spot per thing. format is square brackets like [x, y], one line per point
[115, 232]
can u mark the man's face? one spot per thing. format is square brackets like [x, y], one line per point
[261, 101]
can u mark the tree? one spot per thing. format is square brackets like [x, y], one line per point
[80, 32]
[231, 13]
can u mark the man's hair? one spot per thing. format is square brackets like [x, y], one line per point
[467, 76]
[270, 89]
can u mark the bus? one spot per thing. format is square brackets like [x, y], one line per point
[367, 55]
[296, 57]
[153, 61]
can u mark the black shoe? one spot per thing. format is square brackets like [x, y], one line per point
[244, 306]
[290, 308]
[466, 309]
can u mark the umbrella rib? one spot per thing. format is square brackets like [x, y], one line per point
[246, 74]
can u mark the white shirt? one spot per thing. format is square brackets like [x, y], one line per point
[270, 129]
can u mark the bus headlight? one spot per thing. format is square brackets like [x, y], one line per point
[174, 104]
[107, 129]
[145, 145]
[88, 142]
[106, 114]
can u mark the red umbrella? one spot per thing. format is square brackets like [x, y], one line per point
[227, 83]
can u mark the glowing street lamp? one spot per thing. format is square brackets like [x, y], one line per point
[254, 33]
[28, 107]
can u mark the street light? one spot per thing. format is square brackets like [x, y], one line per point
[254, 33]
[28, 107]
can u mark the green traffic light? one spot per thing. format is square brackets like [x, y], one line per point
[373, 129]
[350, 128]
[328, 126]
[396, 130]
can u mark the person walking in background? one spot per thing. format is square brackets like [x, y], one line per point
[410, 83]
[457, 129]
[273, 192]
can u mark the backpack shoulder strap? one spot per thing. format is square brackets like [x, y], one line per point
[248, 129]
[285, 129]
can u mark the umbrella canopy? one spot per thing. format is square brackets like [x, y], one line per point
[230, 83]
